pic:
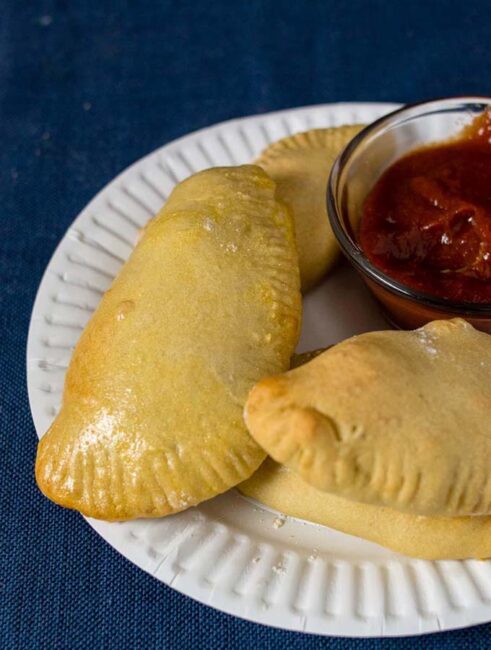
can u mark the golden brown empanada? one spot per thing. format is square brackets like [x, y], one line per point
[430, 538]
[399, 419]
[300, 165]
[207, 304]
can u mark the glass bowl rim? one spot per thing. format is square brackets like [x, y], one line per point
[355, 254]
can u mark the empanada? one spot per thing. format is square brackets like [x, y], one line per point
[430, 538]
[207, 304]
[300, 165]
[392, 418]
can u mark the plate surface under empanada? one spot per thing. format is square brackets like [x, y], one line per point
[207, 304]
[391, 418]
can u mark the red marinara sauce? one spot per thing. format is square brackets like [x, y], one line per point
[427, 221]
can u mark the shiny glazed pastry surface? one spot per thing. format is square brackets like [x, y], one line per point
[207, 304]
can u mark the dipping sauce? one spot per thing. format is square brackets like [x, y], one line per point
[427, 221]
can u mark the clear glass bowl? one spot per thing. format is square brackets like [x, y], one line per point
[354, 174]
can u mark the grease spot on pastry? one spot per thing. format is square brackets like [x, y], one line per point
[124, 308]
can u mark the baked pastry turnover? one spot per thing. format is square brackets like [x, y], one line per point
[393, 418]
[300, 165]
[207, 304]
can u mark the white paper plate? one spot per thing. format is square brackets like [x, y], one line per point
[227, 553]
